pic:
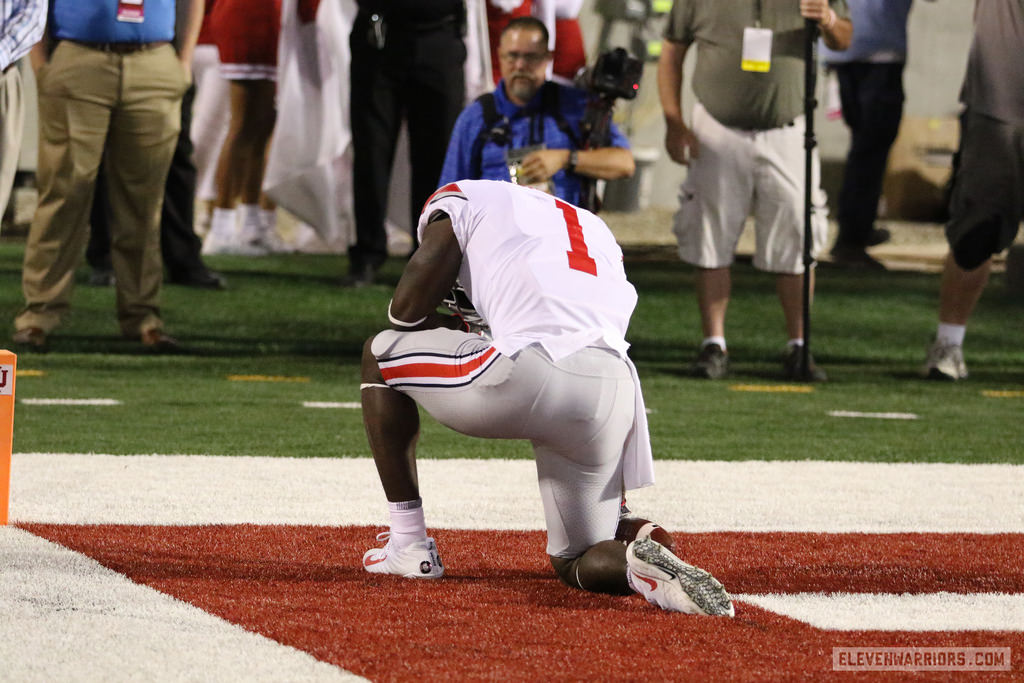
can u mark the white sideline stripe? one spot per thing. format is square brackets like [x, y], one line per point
[892, 612]
[332, 404]
[70, 401]
[690, 496]
[877, 416]
[66, 617]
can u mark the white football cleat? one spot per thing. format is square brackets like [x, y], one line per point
[671, 584]
[417, 561]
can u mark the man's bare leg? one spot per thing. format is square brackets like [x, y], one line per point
[714, 287]
[960, 290]
[790, 289]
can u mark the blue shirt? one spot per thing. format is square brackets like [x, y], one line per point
[879, 26]
[23, 24]
[95, 21]
[527, 126]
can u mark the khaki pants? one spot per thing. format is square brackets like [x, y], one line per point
[90, 103]
[12, 124]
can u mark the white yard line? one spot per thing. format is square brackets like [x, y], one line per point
[890, 612]
[876, 416]
[350, 405]
[67, 618]
[70, 401]
[487, 494]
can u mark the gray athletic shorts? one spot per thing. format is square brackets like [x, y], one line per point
[988, 191]
[576, 413]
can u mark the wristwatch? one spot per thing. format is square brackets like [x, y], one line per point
[574, 158]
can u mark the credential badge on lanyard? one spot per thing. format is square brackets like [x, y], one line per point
[132, 11]
[757, 46]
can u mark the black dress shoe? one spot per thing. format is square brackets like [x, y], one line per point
[157, 341]
[878, 236]
[360, 276]
[854, 257]
[201, 279]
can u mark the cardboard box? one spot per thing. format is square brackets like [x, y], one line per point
[920, 166]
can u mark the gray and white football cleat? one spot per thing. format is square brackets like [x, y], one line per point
[417, 561]
[671, 584]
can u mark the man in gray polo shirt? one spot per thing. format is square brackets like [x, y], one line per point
[745, 150]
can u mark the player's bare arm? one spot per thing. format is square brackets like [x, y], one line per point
[429, 275]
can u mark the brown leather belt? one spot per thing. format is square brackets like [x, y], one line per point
[121, 48]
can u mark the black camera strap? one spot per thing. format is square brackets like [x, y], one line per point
[490, 131]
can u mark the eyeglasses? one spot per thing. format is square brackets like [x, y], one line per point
[531, 58]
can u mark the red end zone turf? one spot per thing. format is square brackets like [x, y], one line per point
[499, 613]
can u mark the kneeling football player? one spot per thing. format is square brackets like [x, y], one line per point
[547, 277]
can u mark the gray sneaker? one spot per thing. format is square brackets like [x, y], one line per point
[712, 363]
[792, 367]
[671, 584]
[945, 362]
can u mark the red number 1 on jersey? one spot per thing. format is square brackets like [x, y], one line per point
[579, 257]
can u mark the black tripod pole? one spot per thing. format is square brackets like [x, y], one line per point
[810, 104]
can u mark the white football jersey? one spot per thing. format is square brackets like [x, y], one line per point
[538, 269]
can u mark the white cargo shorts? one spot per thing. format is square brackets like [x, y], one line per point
[742, 172]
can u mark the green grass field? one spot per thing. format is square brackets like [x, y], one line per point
[285, 317]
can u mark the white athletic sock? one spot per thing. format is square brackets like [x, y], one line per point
[950, 334]
[713, 340]
[793, 343]
[408, 525]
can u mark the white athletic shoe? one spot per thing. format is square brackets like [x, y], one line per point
[274, 243]
[671, 584]
[417, 561]
[250, 239]
[945, 361]
[219, 243]
[269, 238]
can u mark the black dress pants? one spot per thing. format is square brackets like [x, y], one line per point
[417, 75]
[872, 99]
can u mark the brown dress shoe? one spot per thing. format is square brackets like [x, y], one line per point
[30, 339]
[157, 341]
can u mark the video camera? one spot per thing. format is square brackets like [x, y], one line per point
[616, 74]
